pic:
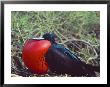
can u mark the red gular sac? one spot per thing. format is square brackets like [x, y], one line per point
[33, 54]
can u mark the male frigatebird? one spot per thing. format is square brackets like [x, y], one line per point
[61, 60]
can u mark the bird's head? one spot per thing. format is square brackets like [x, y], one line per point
[50, 37]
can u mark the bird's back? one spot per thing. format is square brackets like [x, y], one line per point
[66, 52]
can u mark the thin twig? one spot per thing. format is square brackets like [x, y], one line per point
[96, 54]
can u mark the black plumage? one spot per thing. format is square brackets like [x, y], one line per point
[61, 60]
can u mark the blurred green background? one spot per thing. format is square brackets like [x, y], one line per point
[83, 26]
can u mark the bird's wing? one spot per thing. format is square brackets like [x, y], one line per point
[66, 51]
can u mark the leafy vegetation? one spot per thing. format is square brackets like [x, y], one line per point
[79, 31]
